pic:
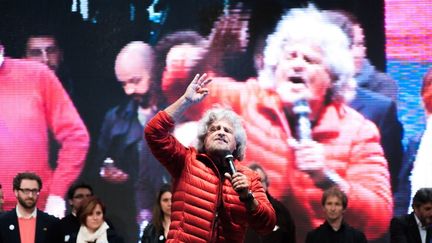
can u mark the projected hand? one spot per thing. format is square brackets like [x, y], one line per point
[309, 155]
[114, 175]
[196, 91]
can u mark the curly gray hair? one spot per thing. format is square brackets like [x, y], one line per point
[311, 26]
[216, 114]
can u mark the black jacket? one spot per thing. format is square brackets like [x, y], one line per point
[382, 111]
[284, 230]
[325, 234]
[9, 228]
[150, 235]
[122, 139]
[404, 229]
[63, 230]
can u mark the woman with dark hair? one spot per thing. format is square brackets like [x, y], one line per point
[94, 228]
[157, 229]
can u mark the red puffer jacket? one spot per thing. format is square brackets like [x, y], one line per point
[205, 208]
[352, 150]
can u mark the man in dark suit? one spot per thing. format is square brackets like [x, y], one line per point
[415, 227]
[26, 223]
[382, 111]
[68, 226]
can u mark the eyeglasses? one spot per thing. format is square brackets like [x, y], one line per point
[29, 191]
[81, 196]
[37, 52]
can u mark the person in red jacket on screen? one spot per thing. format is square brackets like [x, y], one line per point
[211, 202]
[308, 59]
[34, 108]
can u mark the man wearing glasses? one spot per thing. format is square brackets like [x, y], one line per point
[70, 224]
[26, 223]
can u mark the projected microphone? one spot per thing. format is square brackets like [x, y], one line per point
[303, 128]
[230, 160]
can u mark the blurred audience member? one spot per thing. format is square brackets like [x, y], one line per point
[135, 176]
[157, 229]
[376, 107]
[284, 230]
[366, 74]
[415, 227]
[34, 106]
[307, 76]
[335, 229]
[44, 47]
[417, 163]
[26, 223]
[94, 227]
[69, 225]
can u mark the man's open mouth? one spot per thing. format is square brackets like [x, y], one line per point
[297, 79]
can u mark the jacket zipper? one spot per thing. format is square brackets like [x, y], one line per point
[214, 234]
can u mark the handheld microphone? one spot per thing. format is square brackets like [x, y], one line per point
[230, 160]
[303, 127]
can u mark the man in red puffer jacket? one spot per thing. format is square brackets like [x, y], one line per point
[212, 202]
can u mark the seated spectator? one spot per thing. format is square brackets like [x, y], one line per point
[157, 229]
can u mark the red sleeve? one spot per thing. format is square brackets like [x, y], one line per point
[371, 203]
[68, 129]
[263, 218]
[164, 146]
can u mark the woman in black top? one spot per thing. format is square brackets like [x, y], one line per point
[157, 230]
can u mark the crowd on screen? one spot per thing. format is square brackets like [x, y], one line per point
[317, 125]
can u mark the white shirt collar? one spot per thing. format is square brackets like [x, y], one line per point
[421, 228]
[32, 215]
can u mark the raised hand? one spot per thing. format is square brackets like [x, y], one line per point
[196, 91]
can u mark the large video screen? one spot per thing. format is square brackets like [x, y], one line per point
[80, 114]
